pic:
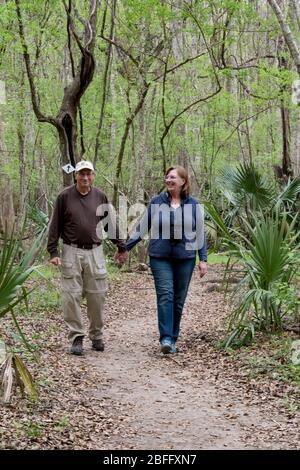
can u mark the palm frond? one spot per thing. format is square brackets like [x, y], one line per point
[290, 192]
[24, 377]
[244, 186]
[7, 378]
[212, 212]
[270, 256]
[13, 274]
[2, 352]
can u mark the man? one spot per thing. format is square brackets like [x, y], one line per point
[82, 262]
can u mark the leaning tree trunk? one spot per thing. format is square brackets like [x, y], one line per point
[288, 35]
[66, 119]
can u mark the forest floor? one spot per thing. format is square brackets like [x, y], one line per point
[132, 397]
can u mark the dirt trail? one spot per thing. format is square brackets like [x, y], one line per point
[182, 401]
[132, 397]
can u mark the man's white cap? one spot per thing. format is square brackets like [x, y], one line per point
[84, 164]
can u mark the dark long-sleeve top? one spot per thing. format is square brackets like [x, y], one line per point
[175, 233]
[77, 219]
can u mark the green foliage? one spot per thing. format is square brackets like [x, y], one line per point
[247, 191]
[289, 195]
[268, 259]
[156, 34]
[33, 430]
[15, 269]
[245, 188]
[63, 423]
[217, 258]
[238, 124]
[265, 247]
[286, 298]
[13, 275]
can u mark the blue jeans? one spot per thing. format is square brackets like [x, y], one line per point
[171, 278]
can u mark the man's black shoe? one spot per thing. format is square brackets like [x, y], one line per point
[76, 347]
[98, 344]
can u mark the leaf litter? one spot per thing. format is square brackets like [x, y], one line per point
[132, 397]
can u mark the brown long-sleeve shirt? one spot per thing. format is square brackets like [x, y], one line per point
[75, 220]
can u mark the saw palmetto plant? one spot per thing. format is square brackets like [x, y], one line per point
[265, 249]
[269, 261]
[14, 271]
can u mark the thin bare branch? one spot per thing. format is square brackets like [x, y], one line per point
[166, 131]
[93, 5]
[119, 46]
[238, 126]
[190, 59]
[105, 78]
[34, 96]
[72, 26]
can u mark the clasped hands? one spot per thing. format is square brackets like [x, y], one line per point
[121, 257]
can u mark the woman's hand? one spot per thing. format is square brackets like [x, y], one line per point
[202, 266]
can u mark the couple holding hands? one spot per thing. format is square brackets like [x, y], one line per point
[176, 221]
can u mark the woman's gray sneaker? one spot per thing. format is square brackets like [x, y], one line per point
[166, 346]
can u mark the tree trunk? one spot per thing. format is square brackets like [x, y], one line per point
[66, 119]
[23, 179]
[113, 127]
[285, 116]
[134, 163]
[296, 147]
[287, 33]
[109, 58]
[41, 195]
[129, 120]
[178, 46]
[286, 141]
[7, 212]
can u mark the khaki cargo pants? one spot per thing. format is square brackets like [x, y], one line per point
[83, 274]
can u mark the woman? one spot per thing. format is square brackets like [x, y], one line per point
[177, 233]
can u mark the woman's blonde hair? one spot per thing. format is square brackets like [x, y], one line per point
[185, 190]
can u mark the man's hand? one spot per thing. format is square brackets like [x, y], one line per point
[56, 261]
[202, 268]
[121, 257]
